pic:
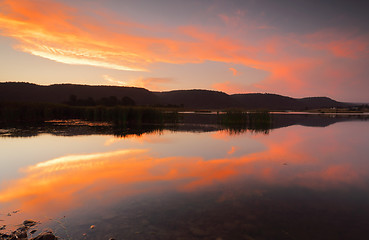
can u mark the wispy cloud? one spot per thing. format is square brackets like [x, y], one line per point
[234, 71]
[340, 44]
[153, 83]
[230, 87]
[68, 36]
[113, 80]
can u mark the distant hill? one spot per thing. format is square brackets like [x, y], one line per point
[278, 102]
[193, 99]
[59, 93]
[197, 99]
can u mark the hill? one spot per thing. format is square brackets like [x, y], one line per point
[59, 93]
[278, 102]
[197, 99]
[192, 99]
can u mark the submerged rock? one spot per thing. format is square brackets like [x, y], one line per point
[4, 236]
[45, 236]
[29, 223]
[198, 232]
[22, 233]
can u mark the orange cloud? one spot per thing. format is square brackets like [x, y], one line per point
[297, 64]
[61, 34]
[234, 71]
[54, 31]
[340, 44]
[155, 84]
[229, 87]
[114, 81]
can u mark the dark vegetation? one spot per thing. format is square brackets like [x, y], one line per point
[124, 116]
[105, 101]
[237, 121]
[189, 99]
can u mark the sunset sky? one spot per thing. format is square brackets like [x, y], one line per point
[289, 47]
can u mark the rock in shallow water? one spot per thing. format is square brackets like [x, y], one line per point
[29, 223]
[21, 234]
[45, 236]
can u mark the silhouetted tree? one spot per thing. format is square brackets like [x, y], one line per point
[110, 101]
[127, 101]
[72, 99]
[90, 102]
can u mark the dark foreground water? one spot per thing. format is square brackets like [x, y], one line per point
[291, 182]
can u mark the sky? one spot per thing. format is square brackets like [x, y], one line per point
[289, 47]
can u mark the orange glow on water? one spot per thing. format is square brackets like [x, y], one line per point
[69, 181]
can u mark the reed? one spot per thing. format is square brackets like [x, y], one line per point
[237, 121]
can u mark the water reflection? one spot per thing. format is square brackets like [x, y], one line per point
[301, 179]
[233, 123]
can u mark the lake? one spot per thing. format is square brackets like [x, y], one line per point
[307, 177]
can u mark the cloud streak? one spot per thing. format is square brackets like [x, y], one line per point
[69, 38]
[113, 80]
[234, 71]
[152, 83]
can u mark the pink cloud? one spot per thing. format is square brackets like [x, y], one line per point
[340, 44]
[229, 87]
[235, 19]
[154, 84]
[234, 71]
[232, 150]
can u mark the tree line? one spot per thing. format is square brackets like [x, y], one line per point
[105, 101]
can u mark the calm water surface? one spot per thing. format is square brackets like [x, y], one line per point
[295, 182]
